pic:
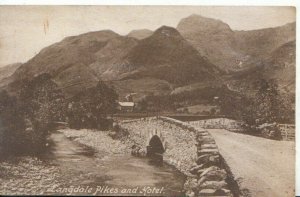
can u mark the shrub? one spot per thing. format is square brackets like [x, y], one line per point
[118, 132]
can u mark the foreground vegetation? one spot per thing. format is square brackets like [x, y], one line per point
[28, 116]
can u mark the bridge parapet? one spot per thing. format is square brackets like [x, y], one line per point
[192, 150]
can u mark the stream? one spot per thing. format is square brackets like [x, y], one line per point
[86, 172]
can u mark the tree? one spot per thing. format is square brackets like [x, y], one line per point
[267, 105]
[265, 109]
[42, 103]
[233, 104]
[12, 130]
[90, 108]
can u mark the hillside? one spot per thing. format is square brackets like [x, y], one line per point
[233, 50]
[76, 62]
[261, 43]
[195, 56]
[7, 71]
[165, 55]
[157, 63]
[212, 38]
[279, 65]
[282, 66]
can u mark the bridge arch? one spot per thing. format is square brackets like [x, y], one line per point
[156, 145]
[155, 149]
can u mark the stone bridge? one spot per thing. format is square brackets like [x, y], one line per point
[191, 150]
[179, 146]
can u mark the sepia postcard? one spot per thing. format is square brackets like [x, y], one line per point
[136, 100]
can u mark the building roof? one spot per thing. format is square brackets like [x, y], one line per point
[126, 104]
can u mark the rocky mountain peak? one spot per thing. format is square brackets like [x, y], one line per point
[198, 23]
[140, 33]
[166, 31]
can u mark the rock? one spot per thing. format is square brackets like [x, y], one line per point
[226, 192]
[195, 169]
[212, 168]
[209, 160]
[203, 134]
[201, 171]
[208, 151]
[207, 192]
[189, 175]
[213, 185]
[201, 180]
[201, 131]
[191, 184]
[214, 158]
[203, 158]
[142, 153]
[190, 193]
[206, 140]
[216, 175]
[209, 146]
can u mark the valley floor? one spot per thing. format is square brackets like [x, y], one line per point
[261, 166]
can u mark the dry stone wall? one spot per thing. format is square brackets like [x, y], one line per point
[191, 150]
[219, 123]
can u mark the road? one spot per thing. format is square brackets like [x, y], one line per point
[262, 167]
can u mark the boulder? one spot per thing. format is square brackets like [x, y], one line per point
[213, 185]
[195, 169]
[191, 184]
[209, 146]
[203, 159]
[142, 153]
[212, 168]
[206, 139]
[216, 175]
[190, 193]
[207, 192]
[208, 151]
[203, 134]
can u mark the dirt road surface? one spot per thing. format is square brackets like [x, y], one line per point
[263, 167]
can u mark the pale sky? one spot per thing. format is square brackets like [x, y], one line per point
[25, 30]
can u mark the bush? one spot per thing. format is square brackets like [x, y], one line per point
[118, 132]
[270, 131]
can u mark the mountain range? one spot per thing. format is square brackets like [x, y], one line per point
[199, 52]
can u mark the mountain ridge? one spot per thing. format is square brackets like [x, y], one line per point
[199, 51]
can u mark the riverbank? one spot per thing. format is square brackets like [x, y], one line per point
[99, 140]
[27, 176]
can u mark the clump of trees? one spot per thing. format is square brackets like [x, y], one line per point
[171, 102]
[29, 115]
[261, 111]
[91, 107]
